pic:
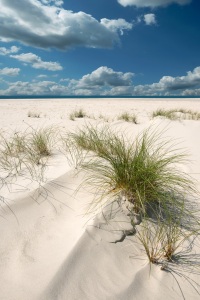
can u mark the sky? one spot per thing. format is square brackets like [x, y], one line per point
[100, 47]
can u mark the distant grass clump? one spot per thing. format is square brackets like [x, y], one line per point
[169, 114]
[104, 118]
[177, 114]
[128, 117]
[33, 115]
[80, 113]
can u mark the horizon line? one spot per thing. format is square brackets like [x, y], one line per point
[87, 96]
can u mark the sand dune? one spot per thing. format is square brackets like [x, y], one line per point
[51, 248]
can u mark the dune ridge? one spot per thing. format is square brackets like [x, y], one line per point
[51, 248]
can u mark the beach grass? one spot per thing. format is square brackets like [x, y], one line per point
[69, 148]
[79, 113]
[164, 241]
[27, 152]
[10, 152]
[177, 114]
[42, 141]
[146, 173]
[127, 117]
[168, 114]
[104, 118]
[143, 171]
[33, 114]
[150, 236]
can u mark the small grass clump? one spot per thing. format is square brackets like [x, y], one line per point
[128, 117]
[168, 114]
[190, 114]
[177, 114]
[14, 146]
[40, 144]
[77, 114]
[89, 139]
[19, 143]
[26, 151]
[150, 236]
[165, 240]
[161, 240]
[33, 115]
[11, 152]
[104, 118]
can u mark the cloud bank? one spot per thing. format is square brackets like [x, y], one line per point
[35, 23]
[106, 81]
[152, 3]
[35, 88]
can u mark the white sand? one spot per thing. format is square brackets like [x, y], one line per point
[50, 249]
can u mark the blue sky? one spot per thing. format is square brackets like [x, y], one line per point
[100, 47]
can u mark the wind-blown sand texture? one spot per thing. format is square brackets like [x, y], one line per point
[50, 248]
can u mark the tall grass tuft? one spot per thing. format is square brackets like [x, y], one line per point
[145, 174]
[142, 171]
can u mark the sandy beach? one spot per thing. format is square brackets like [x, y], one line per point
[51, 248]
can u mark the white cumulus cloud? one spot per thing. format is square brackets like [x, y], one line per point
[9, 71]
[116, 25]
[46, 25]
[150, 19]
[191, 80]
[36, 62]
[152, 3]
[104, 76]
[6, 51]
[100, 81]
